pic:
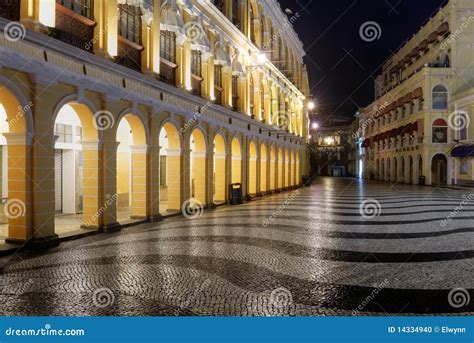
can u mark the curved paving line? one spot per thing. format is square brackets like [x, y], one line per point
[342, 222]
[446, 202]
[349, 214]
[311, 206]
[299, 250]
[305, 292]
[333, 234]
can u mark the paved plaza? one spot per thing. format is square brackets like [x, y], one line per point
[339, 247]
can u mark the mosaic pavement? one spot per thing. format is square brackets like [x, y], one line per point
[339, 247]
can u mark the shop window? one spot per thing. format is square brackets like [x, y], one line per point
[464, 166]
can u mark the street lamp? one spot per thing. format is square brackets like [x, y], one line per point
[315, 126]
[311, 105]
[262, 58]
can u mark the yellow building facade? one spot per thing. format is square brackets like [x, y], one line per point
[409, 134]
[121, 111]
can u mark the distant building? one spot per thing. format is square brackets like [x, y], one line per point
[335, 153]
[417, 130]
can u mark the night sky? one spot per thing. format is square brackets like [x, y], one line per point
[342, 67]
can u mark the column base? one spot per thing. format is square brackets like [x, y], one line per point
[156, 218]
[248, 197]
[259, 195]
[89, 227]
[139, 217]
[40, 243]
[212, 206]
[109, 228]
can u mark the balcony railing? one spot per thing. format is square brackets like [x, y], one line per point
[129, 54]
[10, 9]
[168, 72]
[72, 28]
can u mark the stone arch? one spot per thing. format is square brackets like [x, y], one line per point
[273, 167]
[439, 169]
[236, 152]
[77, 157]
[18, 131]
[281, 175]
[253, 179]
[198, 162]
[220, 168]
[171, 168]
[132, 167]
[263, 168]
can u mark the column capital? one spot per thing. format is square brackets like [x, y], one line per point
[18, 138]
[139, 149]
[91, 145]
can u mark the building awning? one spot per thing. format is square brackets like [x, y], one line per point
[417, 93]
[433, 37]
[424, 45]
[463, 151]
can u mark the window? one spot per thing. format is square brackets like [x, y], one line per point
[235, 91]
[440, 131]
[130, 23]
[440, 98]
[463, 168]
[220, 5]
[218, 83]
[64, 132]
[236, 13]
[196, 62]
[82, 7]
[462, 124]
[168, 46]
[253, 35]
[78, 134]
[252, 95]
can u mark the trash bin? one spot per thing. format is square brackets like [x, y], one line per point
[235, 194]
[422, 181]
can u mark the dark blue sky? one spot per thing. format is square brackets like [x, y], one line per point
[342, 66]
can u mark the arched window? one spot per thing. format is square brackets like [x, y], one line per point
[440, 98]
[440, 131]
[253, 18]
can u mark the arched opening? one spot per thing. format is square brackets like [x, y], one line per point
[402, 170]
[253, 169]
[287, 169]
[440, 98]
[263, 168]
[236, 161]
[14, 168]
[411, 171]
[293, 168]
[273, 162]
[419, 169]
[76, 168]
[219, 170]
[382, 170]
[198, 166]
[395, 170]
[131, 169]
[281, 175]
[440, 131]
[298, 169]
[377, 170]
[439, 170]
[170, 170]
[254, 22]
[388, 175]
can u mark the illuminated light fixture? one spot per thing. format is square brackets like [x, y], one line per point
[311, 105]
[309, 136]
[315, 126]
[262, 58]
